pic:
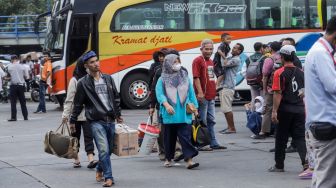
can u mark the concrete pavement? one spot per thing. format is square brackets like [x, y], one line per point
[24, 164]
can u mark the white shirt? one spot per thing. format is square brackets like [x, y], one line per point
[320, 84]
[2, 74]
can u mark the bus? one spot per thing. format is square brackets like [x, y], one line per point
[125, 33]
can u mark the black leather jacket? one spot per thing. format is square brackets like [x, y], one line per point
[94, 108]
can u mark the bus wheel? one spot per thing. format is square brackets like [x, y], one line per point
[135, 91]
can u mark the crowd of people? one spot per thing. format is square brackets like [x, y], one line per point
[294, 102]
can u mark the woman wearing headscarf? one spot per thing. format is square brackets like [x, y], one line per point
[254, 117]
[78, 73]
[174, 91]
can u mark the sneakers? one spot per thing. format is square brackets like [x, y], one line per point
[259, 137]
[291, 149]
[218, 147]
[39, 112]
[11, 119]
[275, 169]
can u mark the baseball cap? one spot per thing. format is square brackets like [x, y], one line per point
[275, 46]
[287, 50]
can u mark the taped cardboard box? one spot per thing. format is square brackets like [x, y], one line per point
[125, 141]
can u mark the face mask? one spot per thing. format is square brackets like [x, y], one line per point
[176, 67]
[257, 105]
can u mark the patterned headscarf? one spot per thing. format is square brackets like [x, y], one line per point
[174, 81]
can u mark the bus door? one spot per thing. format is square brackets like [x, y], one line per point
[81, 38]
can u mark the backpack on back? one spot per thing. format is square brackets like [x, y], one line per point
[254, 72]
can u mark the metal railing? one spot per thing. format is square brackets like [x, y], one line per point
[21, 25]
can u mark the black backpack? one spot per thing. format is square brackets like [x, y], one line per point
[254, 72]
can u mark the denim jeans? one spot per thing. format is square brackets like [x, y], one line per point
[42, 92]
[207, 112]
[103, 135]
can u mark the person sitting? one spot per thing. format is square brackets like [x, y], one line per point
[254, 118]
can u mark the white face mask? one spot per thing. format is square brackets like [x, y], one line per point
[176, 67]
[257, 105]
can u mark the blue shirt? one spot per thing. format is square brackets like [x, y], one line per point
[180, 115]
[320, 84]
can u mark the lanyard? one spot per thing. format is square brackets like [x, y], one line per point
[326, 47]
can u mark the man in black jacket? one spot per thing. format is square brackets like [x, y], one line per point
[98, 93]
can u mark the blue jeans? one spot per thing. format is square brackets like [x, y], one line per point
[103, 135]
[42, 92]
[207, 112]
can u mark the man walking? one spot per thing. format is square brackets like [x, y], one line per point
[320, 97]
[288, 108]
[98, 93]
[18, 73]
[205, 89]
[45, 79]
[231, 66]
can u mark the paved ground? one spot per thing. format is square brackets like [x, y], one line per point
[244, 164]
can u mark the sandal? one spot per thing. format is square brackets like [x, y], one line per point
[307, 174]
[92, 164]
[193, 165]
[167, 164]
[108, 183]
[99, 176]
[77, 165]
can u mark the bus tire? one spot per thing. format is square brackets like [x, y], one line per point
[135, 91]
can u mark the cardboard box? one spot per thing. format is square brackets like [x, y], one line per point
[125, 141]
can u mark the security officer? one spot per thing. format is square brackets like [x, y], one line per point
[18, 74]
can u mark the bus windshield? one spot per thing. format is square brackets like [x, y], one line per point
[55, 36]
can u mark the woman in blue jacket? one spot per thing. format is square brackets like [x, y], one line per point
[174, 91]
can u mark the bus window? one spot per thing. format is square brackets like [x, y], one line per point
[331, 8]
[314, 19]
[274, 14]
[162, 15]
[214, 14]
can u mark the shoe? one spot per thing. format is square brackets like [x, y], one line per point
[92, 164]
[275, 169]
[178, 158]
[36, 112]
[218, 147]
[259, 137]
[194, 165]
[11, 119]
[291, 149]
[77, 165]
[272, 150]
[223, 131]
[25, 119]
[167, 164]
[229, 132]
[307, 174]
[99, 176]
[205, 148]
[162, 156]
[108, 183]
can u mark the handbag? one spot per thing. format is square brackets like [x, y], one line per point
[61, 143]
[200, 134]
[190, 108]
[323, 131]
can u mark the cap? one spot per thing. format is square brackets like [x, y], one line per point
[287, 50]
[88, 55]
[275, 46]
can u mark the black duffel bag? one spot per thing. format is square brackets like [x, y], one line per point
[323, 131]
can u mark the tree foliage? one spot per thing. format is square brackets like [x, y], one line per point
[23, 7]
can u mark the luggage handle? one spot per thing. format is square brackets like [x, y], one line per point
[62, 128]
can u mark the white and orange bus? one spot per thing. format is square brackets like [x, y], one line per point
[125, 33]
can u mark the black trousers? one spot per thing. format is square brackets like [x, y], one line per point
[88, 138]
[17, 92]
[290, 124]
[183, 132]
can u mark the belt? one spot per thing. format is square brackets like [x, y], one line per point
[108, 119]
[18, 84]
